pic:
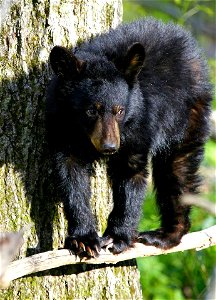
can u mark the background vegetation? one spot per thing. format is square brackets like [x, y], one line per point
[181, 275]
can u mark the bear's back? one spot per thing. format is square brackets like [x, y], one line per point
[159, 39]
[173, 59]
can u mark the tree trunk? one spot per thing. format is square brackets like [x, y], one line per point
[29, 29]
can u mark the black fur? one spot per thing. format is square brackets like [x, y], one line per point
[138, 92]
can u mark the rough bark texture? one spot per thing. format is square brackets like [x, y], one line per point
[28, 32]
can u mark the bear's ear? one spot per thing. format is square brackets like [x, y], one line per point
[64, 63]
[134, 60]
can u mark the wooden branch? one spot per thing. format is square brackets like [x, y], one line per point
[201, 202]
[53, 259]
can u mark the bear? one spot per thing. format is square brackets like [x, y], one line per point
[137, 95]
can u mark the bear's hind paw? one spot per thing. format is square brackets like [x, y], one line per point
[159, 238]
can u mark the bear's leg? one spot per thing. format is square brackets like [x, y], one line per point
[128, 177]
[75, 190]
[174, 174]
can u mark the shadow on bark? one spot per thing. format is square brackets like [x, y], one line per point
[82, 268]
[24, 149]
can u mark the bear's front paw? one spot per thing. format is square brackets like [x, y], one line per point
[116, 243]
[87, 245]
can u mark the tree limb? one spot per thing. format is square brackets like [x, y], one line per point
[201, 202]
[56, 258]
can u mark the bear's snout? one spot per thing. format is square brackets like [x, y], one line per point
[106, 135]
[109, 148]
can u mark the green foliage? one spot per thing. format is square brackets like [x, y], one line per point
[212, 73]
[184, 275]
[178, 10]
[210, 154]
[155, 279]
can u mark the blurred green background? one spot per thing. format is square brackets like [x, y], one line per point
[182, 275]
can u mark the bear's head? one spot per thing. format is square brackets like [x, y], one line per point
[100, 93]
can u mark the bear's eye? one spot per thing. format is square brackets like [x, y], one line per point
[91, 112]
[118, 110]
[121, 111]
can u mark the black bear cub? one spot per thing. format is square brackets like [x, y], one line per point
[136, 94]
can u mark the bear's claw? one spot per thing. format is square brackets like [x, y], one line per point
[83, 246]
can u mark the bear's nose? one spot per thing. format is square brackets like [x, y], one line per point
[109, 148]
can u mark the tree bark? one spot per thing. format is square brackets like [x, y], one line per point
[29, 29]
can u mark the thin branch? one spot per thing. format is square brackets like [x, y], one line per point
[201, 202]
[53, 259]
